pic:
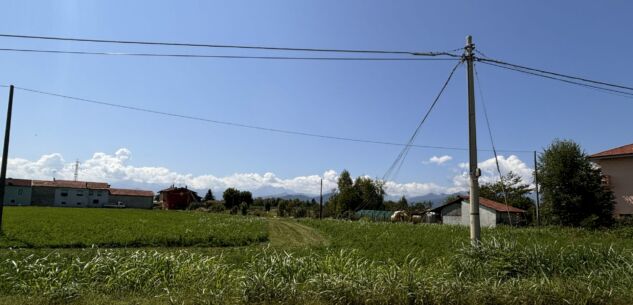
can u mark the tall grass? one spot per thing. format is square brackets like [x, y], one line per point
[495, 272]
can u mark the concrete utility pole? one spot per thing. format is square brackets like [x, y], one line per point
[5, 154]
[321, 201]
[475, 230]
[538, 200]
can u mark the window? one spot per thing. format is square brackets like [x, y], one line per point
[98, 193]
[78, 203]
[90, 192]
[12, 200]
[20, 192]
[64, 193]
[80, 193]
[95, 201]
[63, 202]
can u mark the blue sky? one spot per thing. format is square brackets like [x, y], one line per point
[374, 100]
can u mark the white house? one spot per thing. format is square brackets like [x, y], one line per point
[65, 193]
[491, 213]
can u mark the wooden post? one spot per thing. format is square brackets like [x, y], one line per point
[321, 201]
[5, 154]
[538, 200]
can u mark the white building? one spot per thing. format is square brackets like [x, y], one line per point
[491, 213]
[17, 192]
[65, 193]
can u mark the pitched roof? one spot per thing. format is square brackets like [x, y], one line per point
[129, 192]
[622, 151]
[497, 206]
[18, 182]
[71, 184]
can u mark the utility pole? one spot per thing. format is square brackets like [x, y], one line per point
[321, 201]
[475, 230]
[538, 199]
[5, 154]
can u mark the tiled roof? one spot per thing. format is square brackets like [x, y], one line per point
[622, 151]
[128, 192]
[18, 182]
[500, 207]
[71, 184]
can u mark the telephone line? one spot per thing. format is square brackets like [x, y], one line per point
[397, 163]
[179, 44]
[227, 56]
[605, 90]
[283, 131]
[554, 73]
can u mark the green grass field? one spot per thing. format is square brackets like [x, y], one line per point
[39, 227]
[285, 261]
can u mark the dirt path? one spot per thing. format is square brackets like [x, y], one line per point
[289, 233]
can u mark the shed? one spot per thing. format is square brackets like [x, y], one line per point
[136, 199]
[178, 198]
[491, 213]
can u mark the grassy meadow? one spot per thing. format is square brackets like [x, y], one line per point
[286, 261]
[42, 227]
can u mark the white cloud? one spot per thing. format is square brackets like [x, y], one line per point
[116, 170]
[440, 160]
[489, 172]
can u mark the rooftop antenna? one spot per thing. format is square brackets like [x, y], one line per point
[76, 170]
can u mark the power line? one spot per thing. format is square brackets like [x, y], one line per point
[397, 163]
[604, 90]
[235, 124]
[228, 56]
[492, 143]
[179, 44]
[555, 74]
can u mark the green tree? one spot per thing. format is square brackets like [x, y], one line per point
[344, 181]
[517, 191]
[246, 197]
[231, 198]
[572, 188]
[403, 201]
[209, 196]
[370, 193]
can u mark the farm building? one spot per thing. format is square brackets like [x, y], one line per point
[491, 213]
[17, 192]
[177, 198]
[617, 168]
[66, 193]
[136, 199]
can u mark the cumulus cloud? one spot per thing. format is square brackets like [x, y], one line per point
[440, 160]
[489, 172]
[117, 170]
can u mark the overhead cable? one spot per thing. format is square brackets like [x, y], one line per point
[397, 163]
[241, 125]
[181, 44]
[230, 56]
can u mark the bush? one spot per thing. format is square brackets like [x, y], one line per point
[244, 208]
[216, 206]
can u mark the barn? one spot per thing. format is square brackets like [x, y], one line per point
[177, 198]
[491, 213]
[136, 199]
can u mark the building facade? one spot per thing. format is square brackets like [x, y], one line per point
[177, 198]
[79, 194]
[17, 192]
[491, 213]
[135, 199]
[617, 168]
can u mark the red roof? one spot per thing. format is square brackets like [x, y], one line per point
[128, 192]
[71, 184]
[622, 151]
[18, 182]
[499, 207]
